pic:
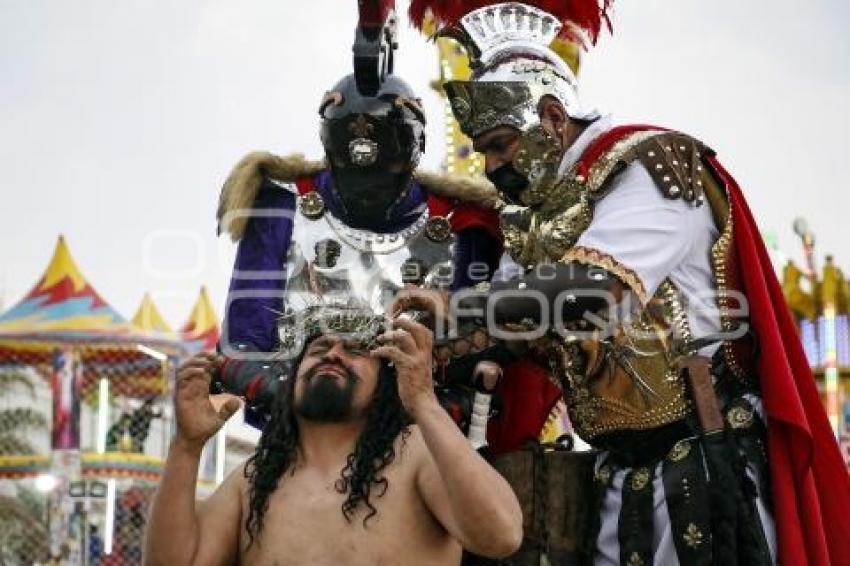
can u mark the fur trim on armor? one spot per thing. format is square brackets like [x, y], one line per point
[242, 185]
[466, 189]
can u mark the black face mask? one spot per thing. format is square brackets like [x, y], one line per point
[508, 181]
[369, 195]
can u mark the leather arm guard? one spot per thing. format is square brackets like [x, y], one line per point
[570, 288]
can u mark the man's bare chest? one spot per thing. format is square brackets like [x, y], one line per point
[304, 524]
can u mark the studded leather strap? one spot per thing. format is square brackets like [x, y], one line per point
[674, 162]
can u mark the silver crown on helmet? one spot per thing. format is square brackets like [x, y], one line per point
[493, 27]
[509, 43]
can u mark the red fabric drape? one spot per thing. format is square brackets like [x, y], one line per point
[528, 396]
[811, 488]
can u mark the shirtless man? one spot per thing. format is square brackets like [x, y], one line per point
[366, 468]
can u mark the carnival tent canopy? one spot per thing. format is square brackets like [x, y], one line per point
[64, 310]
[148, 318]
[63, 301]
[64, 327]
[64, 307]
[202, 329]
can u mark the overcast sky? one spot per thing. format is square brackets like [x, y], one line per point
[119, 119]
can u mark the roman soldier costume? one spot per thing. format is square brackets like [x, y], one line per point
[324, 245]
[688, 377]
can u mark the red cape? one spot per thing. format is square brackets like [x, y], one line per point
[811, 487]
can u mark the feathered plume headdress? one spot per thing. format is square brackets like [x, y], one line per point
[582, 20]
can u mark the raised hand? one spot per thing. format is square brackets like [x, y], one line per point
[409, 347]
[432, 303]
[199, 415]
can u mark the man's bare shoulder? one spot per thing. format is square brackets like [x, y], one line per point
[234, 485]
[416, 457]
[410, 446]
[238, 477]
[220, 520]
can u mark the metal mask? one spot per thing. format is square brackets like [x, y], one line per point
[482, 106]
[513, 70]
[372, 144]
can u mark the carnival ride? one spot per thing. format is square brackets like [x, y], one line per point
[85, 420]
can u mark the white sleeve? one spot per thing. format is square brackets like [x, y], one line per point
[636, 233]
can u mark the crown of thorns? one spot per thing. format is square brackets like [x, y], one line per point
[354, 323]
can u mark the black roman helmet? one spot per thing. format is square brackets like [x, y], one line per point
[372, 144]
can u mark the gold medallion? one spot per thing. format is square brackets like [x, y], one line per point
[640, 479]
[312, 205]
[739, 417]
[679, 451]
[438, 229]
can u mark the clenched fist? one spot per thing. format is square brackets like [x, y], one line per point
[200, 415]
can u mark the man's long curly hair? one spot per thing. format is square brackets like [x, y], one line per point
[277, 451]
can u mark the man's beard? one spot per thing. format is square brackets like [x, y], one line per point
[323, 399]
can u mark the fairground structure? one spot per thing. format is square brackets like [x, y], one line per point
[85, 418]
